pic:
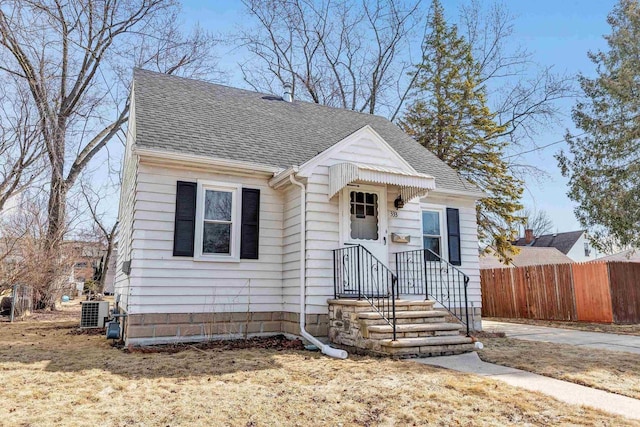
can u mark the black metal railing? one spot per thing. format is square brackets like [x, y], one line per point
[357, 273]
[423, 272]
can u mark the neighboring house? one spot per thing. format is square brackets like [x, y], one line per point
[527, 256]
[573, 244]
[225, 191]
[629, 255]
[86, 258]
[12, 205]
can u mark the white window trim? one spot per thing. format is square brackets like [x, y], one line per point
[236, 191]
[444, 243]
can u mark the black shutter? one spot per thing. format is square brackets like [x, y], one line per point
[250, 228]
[453, 234]
[185, 225]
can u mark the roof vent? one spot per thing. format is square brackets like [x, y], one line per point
[288, 92]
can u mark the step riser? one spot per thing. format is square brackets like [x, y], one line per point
[389, 335]
[404, 321]
[384, 307]
[415, 327]
[432, 350]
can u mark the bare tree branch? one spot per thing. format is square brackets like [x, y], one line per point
[321, 48]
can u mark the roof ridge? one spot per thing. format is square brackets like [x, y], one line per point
[255, 92]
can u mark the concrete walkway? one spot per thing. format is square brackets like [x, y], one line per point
[561, 390]
[599, 340]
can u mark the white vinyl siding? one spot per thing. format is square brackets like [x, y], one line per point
[125, 211]
[162, 283]
[291, 250]
[468, 239]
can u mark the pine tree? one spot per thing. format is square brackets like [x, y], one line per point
[603, 166]
[450, 117]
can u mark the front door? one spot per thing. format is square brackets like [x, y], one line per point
[364, 218]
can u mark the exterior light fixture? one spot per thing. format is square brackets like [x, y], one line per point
[398, 202]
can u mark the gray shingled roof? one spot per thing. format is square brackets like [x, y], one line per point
[561, 241]
[190, 116]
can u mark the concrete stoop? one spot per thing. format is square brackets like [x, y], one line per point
[420, 329]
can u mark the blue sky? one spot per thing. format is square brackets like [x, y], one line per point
[559, 33]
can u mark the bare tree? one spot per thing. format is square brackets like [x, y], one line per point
[344, 53]
[101, 228]
[23, 255]
[75, 57]
[21, 147]
[523, 94]
[536, 220]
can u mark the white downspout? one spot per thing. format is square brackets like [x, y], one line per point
[325, 348]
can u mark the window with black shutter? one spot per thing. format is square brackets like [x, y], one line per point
[453, 233]
[249, 234]
[185, 219]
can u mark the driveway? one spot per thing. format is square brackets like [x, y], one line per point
[599, 340]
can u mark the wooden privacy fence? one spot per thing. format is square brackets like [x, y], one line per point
[590, 292]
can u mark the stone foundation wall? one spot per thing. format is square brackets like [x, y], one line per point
[344, 327]
[160, 328]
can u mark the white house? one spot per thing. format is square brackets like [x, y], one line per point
[226, 190]
[573, 244]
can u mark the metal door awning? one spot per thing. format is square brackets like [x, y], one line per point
[412, 184]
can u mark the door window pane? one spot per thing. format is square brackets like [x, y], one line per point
[216, 238]
[217, 205]
[364, 215]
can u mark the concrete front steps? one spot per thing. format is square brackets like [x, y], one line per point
[420, 329]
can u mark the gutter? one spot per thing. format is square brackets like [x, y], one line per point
[324, 348]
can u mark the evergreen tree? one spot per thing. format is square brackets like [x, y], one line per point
[449, 116]
[603, 166]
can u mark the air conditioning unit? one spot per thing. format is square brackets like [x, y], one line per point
[93, 314]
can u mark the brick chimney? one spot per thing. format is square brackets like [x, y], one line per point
[528, 236]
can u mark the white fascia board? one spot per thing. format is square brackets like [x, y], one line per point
[206, 161]
[476, 195]
[306, 168]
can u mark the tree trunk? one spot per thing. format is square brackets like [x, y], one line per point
[107, 258]
[57, 271]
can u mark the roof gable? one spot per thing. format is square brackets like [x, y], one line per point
[179, 115]
[378, 152]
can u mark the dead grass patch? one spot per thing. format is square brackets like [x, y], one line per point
[50, 377]
[612, 371]
[581, 326]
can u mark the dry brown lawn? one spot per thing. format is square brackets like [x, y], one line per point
[51, 377]
[612, 371]
[581, 326]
